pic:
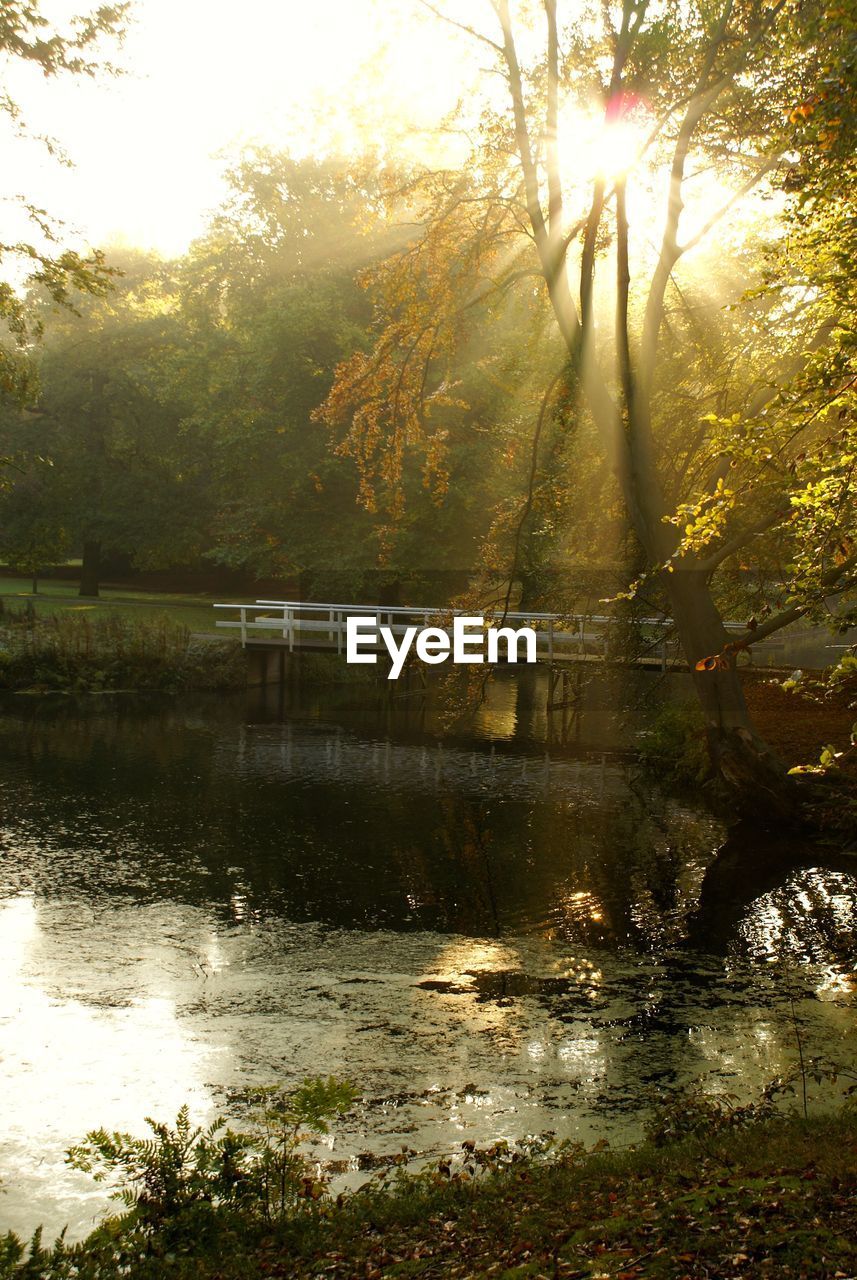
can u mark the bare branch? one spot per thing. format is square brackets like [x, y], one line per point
[531, 482]
[705, 94]
[553, 269]
[742, 191]
[623, 283]
[462, 26]
[522, 133]
[587, 257]
[553, 168]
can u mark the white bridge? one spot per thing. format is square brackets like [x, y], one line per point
[560, 638]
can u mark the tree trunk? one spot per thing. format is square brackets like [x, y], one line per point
[530, 598]
[755, 775]
[90, 572]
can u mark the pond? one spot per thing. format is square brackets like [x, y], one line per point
[494, 930]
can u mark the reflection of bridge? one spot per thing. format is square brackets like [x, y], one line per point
[560, 638]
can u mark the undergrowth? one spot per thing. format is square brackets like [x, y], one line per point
[719, 1189]
[83, 655]
[674, 746]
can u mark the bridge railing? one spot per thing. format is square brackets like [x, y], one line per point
[558, 636]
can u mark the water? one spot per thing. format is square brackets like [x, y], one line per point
[494, 934]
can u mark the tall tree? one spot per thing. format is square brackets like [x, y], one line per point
[711, 463]
[271, 305]
[105, 456]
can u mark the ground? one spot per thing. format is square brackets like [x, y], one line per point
[796, 726]
[60, 596]
[774, 1201]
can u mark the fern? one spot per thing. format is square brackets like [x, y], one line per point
[186, 1167]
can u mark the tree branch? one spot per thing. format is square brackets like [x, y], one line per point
[721, 213]
[462, 26]
[553, 168]
[555, 278]
[531, 483]
[830, 579]
[623, 283]
[739, 540]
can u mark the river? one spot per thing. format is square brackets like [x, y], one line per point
[494, 930]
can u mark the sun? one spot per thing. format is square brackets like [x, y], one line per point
[599, 145]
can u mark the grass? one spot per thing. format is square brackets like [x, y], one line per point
[59, 596]
[774, 1200]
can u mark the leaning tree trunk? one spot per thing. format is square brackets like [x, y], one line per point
[752, 771]
[90, 573]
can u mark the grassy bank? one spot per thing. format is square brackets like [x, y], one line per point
[58, 596]
[772, 1200]
[81, 654]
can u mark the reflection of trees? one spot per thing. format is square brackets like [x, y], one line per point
[160, 798]
[151, 798]
[452, 875]
[781, 895]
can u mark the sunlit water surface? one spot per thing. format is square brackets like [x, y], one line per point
[492, 932]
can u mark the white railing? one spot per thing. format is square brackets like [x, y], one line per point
[560, 637]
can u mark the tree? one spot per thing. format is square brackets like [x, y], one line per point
[717, 464]
[31, 535]
[125, 476]
[270, 305]
[28, 37]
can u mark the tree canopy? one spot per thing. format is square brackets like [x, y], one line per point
[38, 259]
[710, 358]
[609, 355]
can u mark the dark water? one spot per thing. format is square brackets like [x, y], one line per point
[492, 931]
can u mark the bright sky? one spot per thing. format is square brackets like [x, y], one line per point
[205, 77]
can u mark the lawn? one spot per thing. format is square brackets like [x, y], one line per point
[60, 596]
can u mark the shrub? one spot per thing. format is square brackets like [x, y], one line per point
[674, 746]
[188, 1169]
[79, 654]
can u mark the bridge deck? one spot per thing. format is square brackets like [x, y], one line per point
[296, 625]
[315, 644]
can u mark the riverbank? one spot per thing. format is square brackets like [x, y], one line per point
[133, 650]
[68, 653]
[775, 1199]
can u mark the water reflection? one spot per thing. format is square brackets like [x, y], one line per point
[492, 936]
[82, 1044]
[810, 917]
